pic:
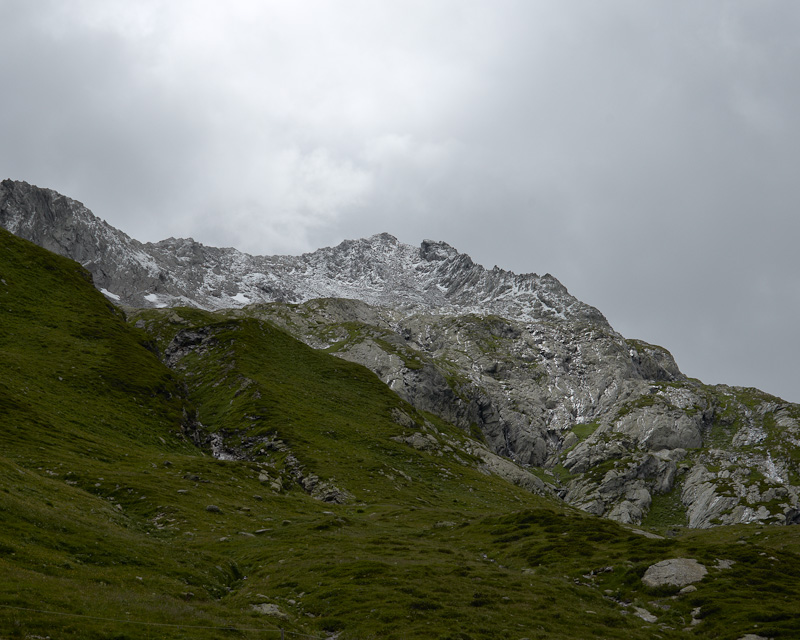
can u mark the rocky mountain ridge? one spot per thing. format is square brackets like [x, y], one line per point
[381, 271]
[609, 424]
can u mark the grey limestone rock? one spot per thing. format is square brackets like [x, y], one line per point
[644, 614]
[633, 506]
[657, 428]
[499, 466]
[268, 609]
[420, 441]
[677, 572]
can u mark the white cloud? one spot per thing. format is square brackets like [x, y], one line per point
[297, 193]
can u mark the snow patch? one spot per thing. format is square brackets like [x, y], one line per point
[152, 297]
[771, 470]
[108, 294]
[241, 298]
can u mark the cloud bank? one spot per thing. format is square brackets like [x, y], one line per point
[643, 153]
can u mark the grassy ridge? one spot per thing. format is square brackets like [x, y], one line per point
[69, 359]
[111, 513]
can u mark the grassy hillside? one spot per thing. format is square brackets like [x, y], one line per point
[117, 522]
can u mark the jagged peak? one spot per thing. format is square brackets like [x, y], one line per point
[43, 202]
[384, 237]
[349, 244]
[436, 250]
[9, 183]
[172, 243]
[553, 282]
[23, 188]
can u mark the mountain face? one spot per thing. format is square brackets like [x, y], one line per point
[608, 424]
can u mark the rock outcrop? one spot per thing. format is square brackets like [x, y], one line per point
[612, 424]
[677, 572]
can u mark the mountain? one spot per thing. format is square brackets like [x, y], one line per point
[380, 270]
[207, 475]
[540, 379]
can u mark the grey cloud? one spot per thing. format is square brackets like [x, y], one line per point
[643, 153]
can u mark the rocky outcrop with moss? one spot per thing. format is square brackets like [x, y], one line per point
[611, 425]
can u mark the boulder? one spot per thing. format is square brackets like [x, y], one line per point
[644, 614]
[267, 609]
[677, 572]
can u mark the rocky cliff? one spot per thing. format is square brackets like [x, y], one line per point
[610, 424]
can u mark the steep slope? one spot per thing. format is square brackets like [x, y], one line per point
[64, 226]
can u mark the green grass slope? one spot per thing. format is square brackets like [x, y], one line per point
[114, 523]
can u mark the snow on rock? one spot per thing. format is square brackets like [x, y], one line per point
[108, 294]
[155, 300]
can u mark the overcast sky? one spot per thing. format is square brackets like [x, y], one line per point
[646, 153]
